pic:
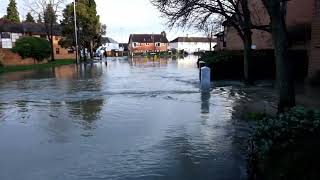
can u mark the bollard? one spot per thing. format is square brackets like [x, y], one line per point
[200, 65]
[205, 80]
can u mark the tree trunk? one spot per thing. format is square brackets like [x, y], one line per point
[247, 52]
[91, 49]
[247, 40]
[285, 79]
[52, 49]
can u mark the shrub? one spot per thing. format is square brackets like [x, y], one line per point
[229, 64]
[33, 47]
[286, 147]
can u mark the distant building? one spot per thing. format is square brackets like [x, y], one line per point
[142, 43]
[192, 44]
[11, 32]
[110, 46]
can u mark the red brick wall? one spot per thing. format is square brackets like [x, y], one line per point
[314, 62]
[11, 59]
[299, 13]
[261, 39]
[63, 53]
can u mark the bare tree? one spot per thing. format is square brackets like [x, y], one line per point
[187, 13]
[210, 28]
[49, 11]
[277, 10]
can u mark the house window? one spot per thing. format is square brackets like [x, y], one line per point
[5, 35]
[57, 50]
[135, 44]
[158, 44]
[147, 44]
[224, 44]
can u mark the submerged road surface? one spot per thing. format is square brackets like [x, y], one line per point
[134, 119]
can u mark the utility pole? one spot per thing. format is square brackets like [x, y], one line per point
[76, 30]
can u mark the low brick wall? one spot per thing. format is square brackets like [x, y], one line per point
[8, 58]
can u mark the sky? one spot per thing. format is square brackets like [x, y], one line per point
[124, 17]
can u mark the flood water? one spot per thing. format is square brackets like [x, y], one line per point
[131, 120]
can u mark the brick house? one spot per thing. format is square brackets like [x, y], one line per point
[142, 43]
[314, 62]
[299, 18]
[301, 21]
[11, 32]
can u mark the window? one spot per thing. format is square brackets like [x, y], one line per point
[5, 35]
[135, 44]
[57, 50]
[147, 44]
[158, 44]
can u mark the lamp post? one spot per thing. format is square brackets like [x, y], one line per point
[75, 30]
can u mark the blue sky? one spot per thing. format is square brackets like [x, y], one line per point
[123, 17]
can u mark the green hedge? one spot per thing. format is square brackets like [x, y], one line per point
[229, 64]
[33, 47]
[286, 147]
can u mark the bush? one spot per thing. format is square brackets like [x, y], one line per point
[33, 47]
[286, 147]
[229, 64]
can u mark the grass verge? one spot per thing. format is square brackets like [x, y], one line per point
[50, 64]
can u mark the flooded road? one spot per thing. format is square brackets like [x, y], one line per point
[131, 120]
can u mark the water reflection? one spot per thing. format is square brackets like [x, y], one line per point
[89, 111]
[205, 102]
[148, 62]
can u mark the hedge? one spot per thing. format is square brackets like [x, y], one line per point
[286, 147]
[229, 64]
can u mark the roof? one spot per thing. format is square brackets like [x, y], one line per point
[32, 28]
[148, 38]
[108, 40]
[190, 39]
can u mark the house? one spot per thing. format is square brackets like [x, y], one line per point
[111, 46]
[142, 43]
[11, 32]
[301, 21]
[192, 44]
[314, 62]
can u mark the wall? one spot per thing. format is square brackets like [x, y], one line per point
[314, 62]
[12, 59]
[299, 14]
[63, 53]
